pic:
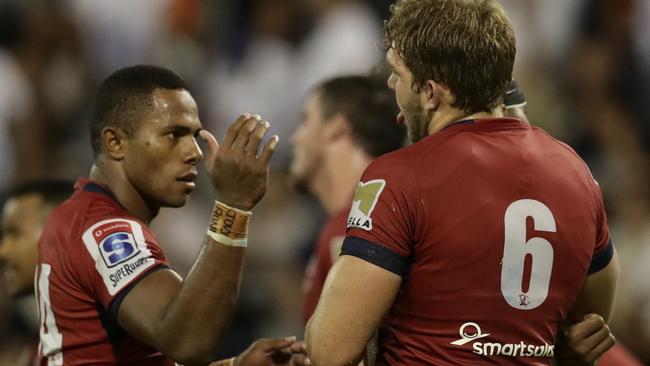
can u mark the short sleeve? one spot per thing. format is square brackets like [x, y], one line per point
[604, 249]
[381, 223]
[120, 251]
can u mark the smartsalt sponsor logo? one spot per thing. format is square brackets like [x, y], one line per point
[471, 332]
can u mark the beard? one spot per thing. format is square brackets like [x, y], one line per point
[417, 121]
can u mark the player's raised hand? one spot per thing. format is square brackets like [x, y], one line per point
[274, 352]
[238, 170]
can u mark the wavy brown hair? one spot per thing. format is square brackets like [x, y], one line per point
[467, 45]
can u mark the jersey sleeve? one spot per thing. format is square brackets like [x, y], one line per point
[604, 249]
[118, 253]
[382, 219]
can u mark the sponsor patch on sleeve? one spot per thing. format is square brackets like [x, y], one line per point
[119, 250]
[365, 199]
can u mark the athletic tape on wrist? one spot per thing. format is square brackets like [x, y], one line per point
[229, 225]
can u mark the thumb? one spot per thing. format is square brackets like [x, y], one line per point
[212, 148]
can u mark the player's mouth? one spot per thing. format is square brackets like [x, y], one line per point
[401, 119]
[189, 180]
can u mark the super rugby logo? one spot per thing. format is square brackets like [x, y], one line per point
[365, 199]
[119, 250]
[471, 332]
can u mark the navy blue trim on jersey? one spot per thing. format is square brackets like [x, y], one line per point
[602, 259]
[377, 255]
[96, 188]
[117, 300]
[466, 122]
[115, 333]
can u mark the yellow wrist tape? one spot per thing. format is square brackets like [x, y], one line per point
[229, 225]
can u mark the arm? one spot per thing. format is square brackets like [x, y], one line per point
[588, 335]
[186, 319]
[356, 295]
[598, 293]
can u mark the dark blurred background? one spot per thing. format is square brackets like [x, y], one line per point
[583, 64]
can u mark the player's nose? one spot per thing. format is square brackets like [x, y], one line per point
[194, 154]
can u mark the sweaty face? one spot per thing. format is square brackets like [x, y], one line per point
[307, 143]
[161, 157]
[23, 218]
[411, 111]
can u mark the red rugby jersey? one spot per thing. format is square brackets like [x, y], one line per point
[91, 253]
[493, 226]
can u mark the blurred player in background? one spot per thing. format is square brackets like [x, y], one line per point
[105, 292]
[347, 122]
[474, 242]
[24, 213]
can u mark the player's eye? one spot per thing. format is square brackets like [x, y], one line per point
[173, 135]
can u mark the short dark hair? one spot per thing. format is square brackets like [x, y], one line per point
[369, 106]
[467, 45]
[53, 191]
[122, 96]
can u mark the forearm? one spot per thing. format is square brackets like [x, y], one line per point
[198, 316]
[186, 319]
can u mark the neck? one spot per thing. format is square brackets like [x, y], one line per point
[448, 115]
[127, 195]
[335, 184]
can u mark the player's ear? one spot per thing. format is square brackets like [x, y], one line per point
[114, 142]
[433, 94]
[337, 127]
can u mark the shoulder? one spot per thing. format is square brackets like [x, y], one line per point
[580, 166]
[398, 163]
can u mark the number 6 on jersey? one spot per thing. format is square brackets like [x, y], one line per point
[515, 250]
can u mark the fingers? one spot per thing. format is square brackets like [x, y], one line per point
[591, 337]
[591, 324]
[233, 130]
[212, 147]
[601, 348]
[300, 360]
[299, 347]
[268, 150]
[256, 137]
[594, 346]
[274, 345]
[246, 134]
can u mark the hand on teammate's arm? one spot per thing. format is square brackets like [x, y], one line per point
[588, 335]
[186, 319]
[583, 343]
[270, 352]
